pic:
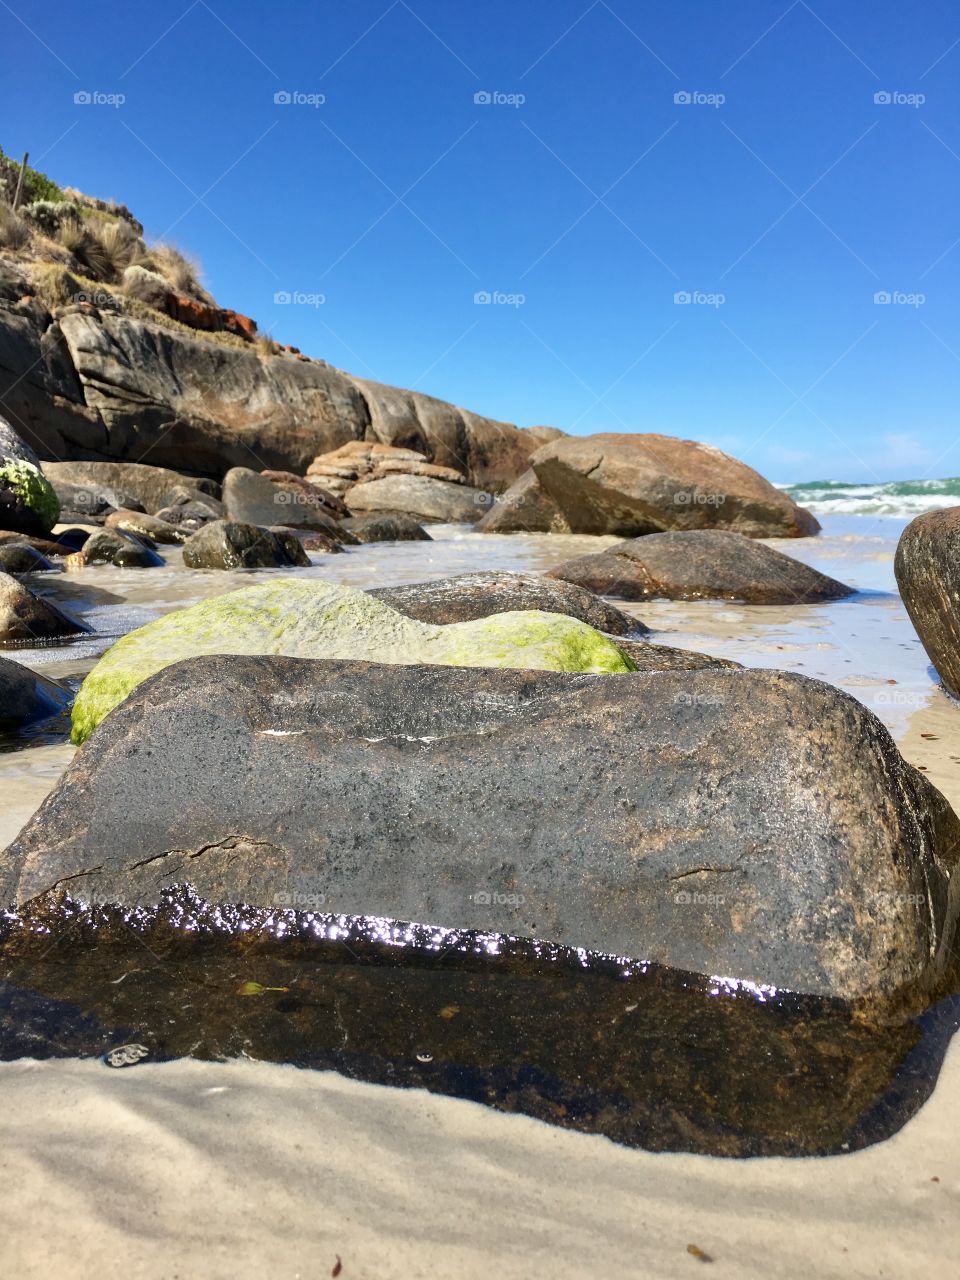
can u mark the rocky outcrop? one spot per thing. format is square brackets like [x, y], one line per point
[95, 385]
[303, 617]
[231, 544]
[478, 595]
[28, 503]
[606, 813]
[637, 484]
[699, 564]
[418, 496]
[927, 567]
[26, 697]
[27, 618]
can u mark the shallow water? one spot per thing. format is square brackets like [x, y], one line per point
[579, 1044]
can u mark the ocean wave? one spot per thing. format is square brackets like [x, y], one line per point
[898, 498]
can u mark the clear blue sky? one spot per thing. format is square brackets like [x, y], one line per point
[598, 198]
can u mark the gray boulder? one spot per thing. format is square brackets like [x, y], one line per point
[422, 497]
[703, 564]
[113, 547]
[251, 499]
[386, 528]
[478, 595]
[146, 526]
[230, 544]
[20, 557]
[26, 618]
[90, 502]
[927, 567]
[752, 824]
[26, 697]
[147, 486]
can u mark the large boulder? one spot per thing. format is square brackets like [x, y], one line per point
[25, 618]
[636, 484]
[88, 502]
[252, 499]
[701, 564]
[146, 526]
[756, 825]
[231, 544]
[418, 496]
[26, 697]
[302, 617]
[28, 503]
[478, 595]
[927, 567]
[526, 507]
[147, 485]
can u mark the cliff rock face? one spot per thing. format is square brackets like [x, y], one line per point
[95, 385]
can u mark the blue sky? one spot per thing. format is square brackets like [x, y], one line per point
[578, 194]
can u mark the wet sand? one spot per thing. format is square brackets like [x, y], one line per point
[198, 1169]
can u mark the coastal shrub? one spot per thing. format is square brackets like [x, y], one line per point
[36, 185]
[104, 251]
[178, 270]
[48, 216]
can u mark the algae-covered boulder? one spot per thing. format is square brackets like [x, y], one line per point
[28, 503]
[301, 618]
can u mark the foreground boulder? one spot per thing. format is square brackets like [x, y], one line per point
[420, 496]
[927, 566]
[26, 697]
[28, 503]
[636, 484]
[609, 814]
[478, 595]
[386, 528]
[26, 618]
[230, 544]
[700, 565]
[302, 617]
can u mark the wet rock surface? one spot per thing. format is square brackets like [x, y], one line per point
[645, 1055]
[704, 564]
[28, 503]
[20, 557]
[591, 811]
[478, 595]
[386, 527]
[927, 566]
[26, 697]
[116, 547]
[232, 544]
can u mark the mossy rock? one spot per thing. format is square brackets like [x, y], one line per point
[300, 618]
[28, 503]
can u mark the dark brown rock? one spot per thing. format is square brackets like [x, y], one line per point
[927, 566]
[20, 557]
[478, 595]
[251, 499]
[26, 697]
[700, 565]
[752, 824]
[146, 526]
[386, 527]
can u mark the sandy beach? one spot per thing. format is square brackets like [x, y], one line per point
[243, 1168]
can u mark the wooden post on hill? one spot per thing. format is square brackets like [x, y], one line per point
[23, 169]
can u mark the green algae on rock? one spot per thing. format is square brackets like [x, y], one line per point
[300, 618]
[28, 503]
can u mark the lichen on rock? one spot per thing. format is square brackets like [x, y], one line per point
[301, 618]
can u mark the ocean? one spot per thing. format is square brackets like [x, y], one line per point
[897, 498]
